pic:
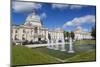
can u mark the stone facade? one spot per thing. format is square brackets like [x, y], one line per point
[80, 34]
[33, 30]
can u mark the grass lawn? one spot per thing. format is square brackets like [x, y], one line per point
[74, 57]
[65, 55]
[87, 56]
[80, 42]
[23, 56]
[55, 53]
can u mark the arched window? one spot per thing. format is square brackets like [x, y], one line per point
[16, 37]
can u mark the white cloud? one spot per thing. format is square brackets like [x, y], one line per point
[67, 24]
[84, 29]
[43, 15]
[80, 20]
[60, 6]
[25, 6]
[76, 6]
[63, 6]
[78, 27]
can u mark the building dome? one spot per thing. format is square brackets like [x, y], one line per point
[33, 19]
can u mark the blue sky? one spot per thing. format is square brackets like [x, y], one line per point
[66, 16]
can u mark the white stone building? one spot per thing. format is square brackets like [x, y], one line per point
[80, 34]
[33, 30]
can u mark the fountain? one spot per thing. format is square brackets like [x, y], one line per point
[56, 46]
[48, 42]
[50, 45]
[63, 46]
[70, 46]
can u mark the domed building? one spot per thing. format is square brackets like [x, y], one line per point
[33, 30]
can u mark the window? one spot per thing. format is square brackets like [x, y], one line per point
[35, 29]
[59, 41]
[16, 37]
[49, 36]
[23, 30]
[16, 31]
[23, 38]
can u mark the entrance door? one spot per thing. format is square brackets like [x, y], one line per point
[39, 39]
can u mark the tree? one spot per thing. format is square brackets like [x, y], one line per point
[72, 35]
[66, 34]
[93, 32]
[49, 37]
